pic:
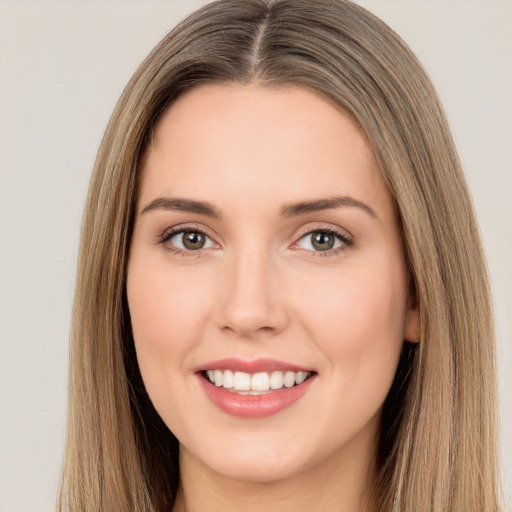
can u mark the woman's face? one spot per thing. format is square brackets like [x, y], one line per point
[266, 250]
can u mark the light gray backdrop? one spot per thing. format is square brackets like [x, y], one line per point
[63, 65]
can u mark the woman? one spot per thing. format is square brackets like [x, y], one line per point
[282, 300]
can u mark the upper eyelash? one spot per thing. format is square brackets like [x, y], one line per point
[168, 234]
[182, 228]
[347, 241]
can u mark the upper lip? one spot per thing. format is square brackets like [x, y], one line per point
[252, 366]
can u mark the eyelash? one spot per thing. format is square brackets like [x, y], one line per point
[346, 242]
[166, 237]
[342, 237]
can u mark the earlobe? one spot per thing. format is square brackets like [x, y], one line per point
[412, 325]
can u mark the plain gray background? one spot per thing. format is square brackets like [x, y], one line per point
[63, 65]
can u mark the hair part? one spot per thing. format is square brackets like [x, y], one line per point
[437, 448]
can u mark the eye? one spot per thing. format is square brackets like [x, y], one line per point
[189, 240]
[323, 240]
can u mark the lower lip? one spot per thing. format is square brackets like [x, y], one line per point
[254, 406]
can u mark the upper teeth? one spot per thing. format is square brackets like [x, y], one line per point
[241, 381]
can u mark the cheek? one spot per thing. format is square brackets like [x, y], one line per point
[366, 305]
[167, 313]
[357, 324]
[164, 304]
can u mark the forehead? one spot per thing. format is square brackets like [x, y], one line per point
[232, 112]
[256, 141]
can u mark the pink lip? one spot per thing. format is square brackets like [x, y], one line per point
[254, 366]
[253, 406]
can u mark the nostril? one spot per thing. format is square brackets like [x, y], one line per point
[248, 330]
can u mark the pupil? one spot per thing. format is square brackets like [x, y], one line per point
[193, 240]
[323, 241]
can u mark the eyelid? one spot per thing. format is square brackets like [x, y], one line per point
[345, 238]
[168, 233]
[327, 227]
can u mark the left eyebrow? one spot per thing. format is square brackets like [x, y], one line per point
[182, 205]
[316, 205]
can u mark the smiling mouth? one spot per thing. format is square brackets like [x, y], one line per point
[260, 383]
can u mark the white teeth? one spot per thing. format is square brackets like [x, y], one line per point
[289, 379]
[227, 381]
[258, 382]
[276, 380]
[242, 381]
[301, 377]
[218, 377]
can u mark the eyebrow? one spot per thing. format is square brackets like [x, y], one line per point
[290, 210]
[182, 205]
[304, 207]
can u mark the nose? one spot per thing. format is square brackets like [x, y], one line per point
[252, 301]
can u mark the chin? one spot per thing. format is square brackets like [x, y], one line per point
[258, 457]
[257, 469]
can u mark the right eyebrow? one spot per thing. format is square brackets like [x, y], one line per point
[317, 205]
[182, 205]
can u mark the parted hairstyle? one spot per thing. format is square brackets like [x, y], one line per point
[437, 441]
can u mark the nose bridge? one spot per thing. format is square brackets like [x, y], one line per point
[251, 305]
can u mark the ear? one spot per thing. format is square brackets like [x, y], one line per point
[412, 325]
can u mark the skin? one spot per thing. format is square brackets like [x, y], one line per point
[260, 289]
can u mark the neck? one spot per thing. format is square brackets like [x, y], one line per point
[334, 485]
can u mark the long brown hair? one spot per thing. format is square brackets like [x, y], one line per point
[437, 449]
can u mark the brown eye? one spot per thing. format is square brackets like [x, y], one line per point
[190, 240]
[193, 240]
[322, 241]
